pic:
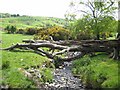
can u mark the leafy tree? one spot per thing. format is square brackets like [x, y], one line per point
[81, 28]
[107, 25]
[18, 15]
[4, 15]
[70, 16]
[97, 11]
[11, 29]
[118, 36]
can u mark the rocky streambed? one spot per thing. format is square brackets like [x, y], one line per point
[64, 79]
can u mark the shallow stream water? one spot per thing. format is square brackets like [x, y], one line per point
[64, 79]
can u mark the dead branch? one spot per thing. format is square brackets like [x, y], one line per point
[110, 43]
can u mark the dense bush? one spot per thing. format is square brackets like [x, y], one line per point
[97, 72]
[85, 35]
[28, 31]
[21, 31]
[105, 35]
[31, 31]
[57, 32]
[10, 29]
[5, 64]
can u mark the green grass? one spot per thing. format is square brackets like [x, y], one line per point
[98, 71]
[9, 39]
[13, 60]
[16, 60]
[31, 21]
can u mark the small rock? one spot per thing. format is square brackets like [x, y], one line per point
[60, 67]
[31, 71]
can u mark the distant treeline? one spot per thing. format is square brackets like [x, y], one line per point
[24, 21]
[7, 15]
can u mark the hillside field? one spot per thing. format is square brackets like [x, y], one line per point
[31, 21]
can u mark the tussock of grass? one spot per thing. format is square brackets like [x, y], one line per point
[98, 71]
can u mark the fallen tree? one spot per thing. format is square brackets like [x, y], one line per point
[69, 49]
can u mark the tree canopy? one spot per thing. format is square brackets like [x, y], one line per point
[97, 16]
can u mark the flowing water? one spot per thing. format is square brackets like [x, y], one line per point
[64, 79]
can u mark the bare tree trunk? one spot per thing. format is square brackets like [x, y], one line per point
[64, 47]
[116, 53]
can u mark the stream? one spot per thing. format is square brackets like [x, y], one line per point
[64, 79]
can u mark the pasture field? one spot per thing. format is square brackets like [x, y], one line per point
[13, 60]
[31, 21]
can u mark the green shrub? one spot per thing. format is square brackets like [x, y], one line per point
[31, 31]
[105, 35]
[85, 35]
[5, 64]
[57, 32]
[10, 29]
[21, 31]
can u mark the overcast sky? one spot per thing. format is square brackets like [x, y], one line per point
[52, 8]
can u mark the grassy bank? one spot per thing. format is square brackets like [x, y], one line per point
[98, 71]
[13, 60]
